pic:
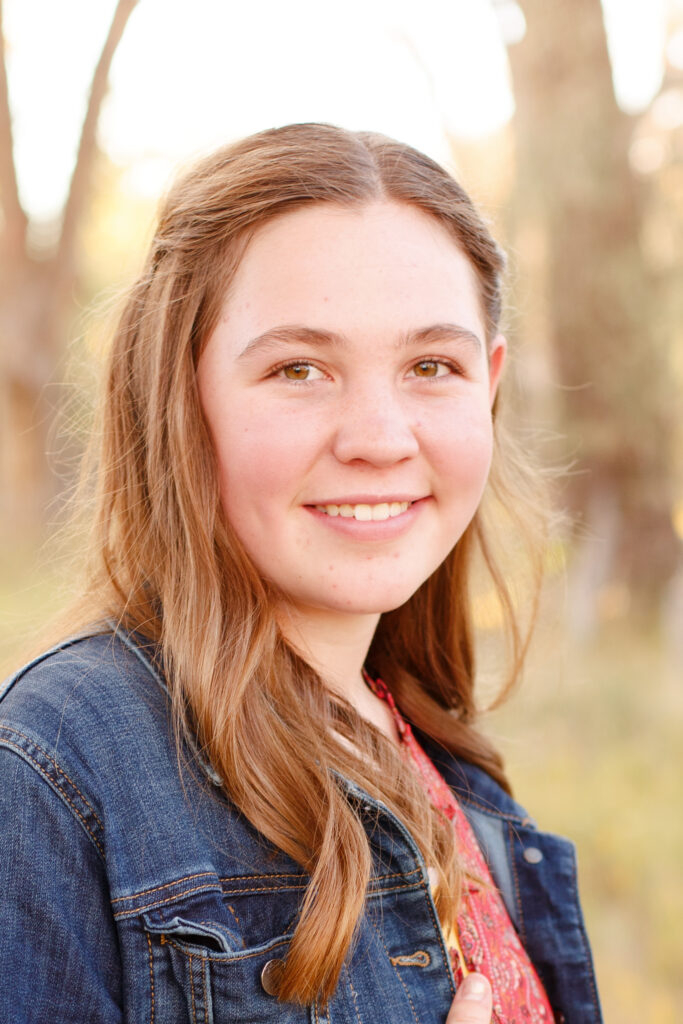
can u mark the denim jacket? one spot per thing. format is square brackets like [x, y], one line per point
[132, 890]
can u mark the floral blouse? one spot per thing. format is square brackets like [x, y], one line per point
[485, 939]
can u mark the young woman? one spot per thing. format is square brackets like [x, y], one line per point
[252, 786]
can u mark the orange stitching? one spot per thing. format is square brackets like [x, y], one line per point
[151, 977]
[41, 771]
[420, 958]
[167, 885]
[439, 934]
[199, 888]
[208, 874]
[194, 1008]
[241, 878]
[239, 925]
[394, 888]
[264, 888]
[206, 997]
[159, 903]
[405, 988]
[225, 957]
[61, 771]
[353, 993]
[399, 874]
[131, 911]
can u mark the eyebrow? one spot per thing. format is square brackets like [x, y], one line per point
[296, 335]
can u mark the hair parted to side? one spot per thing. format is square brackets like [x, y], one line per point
[165, 562]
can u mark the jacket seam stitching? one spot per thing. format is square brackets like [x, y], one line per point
[131, 911]
[353, 993]
[438, 933]
[515, 877]
[18, 749]
[166, 885]
[396, 972]
[64, 645]
[211, 874]
[491, 811]
[222, 959]
[56, 765]
[151, 978]
[194, 1008]
[205, 971]
[395, 888]
[584, 941]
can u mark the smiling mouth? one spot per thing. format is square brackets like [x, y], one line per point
[367, 513]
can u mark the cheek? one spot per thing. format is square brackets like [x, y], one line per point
[463, 447]
[260, 467]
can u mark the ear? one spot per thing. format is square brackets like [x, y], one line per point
[497, 353]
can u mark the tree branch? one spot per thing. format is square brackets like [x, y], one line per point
[87, 148]
[15, 218]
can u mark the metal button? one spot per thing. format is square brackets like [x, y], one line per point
[271, 975]
[532, 855]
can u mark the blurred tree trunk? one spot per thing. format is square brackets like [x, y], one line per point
[576, 189]
[37, 301]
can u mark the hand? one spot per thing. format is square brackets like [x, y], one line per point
[473, 1002]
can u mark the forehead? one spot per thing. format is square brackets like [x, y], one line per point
[379, 267]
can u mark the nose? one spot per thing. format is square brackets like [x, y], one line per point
[375, 426]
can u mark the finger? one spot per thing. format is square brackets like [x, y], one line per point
[473, 1002]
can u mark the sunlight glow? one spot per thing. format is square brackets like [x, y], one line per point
[189, 76]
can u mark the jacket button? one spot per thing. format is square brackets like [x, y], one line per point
[271, 975]
[532, 855]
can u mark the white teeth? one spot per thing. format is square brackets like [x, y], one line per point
[367, 513]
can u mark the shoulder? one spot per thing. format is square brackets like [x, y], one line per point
[91, 683]
[102, 669]
[82, 713]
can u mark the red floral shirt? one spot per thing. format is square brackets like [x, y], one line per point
[485, 939]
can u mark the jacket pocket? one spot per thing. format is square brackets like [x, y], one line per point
[213, 958]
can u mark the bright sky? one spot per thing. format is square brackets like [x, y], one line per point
[191, 74]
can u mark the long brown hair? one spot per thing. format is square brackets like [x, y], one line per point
[165, 562]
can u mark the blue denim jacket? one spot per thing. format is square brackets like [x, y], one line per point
[133, 891]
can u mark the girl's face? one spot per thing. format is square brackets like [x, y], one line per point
[348, 393]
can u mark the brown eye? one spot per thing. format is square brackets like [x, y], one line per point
[297, 371]
[428, 368]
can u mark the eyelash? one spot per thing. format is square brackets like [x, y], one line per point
[448, 363]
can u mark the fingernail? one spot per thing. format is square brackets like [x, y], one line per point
[474, 987]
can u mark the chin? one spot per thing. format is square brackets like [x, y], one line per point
[370, 604]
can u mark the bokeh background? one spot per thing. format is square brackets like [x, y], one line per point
[564, 119]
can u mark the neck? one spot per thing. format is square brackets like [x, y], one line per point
[336, 645]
